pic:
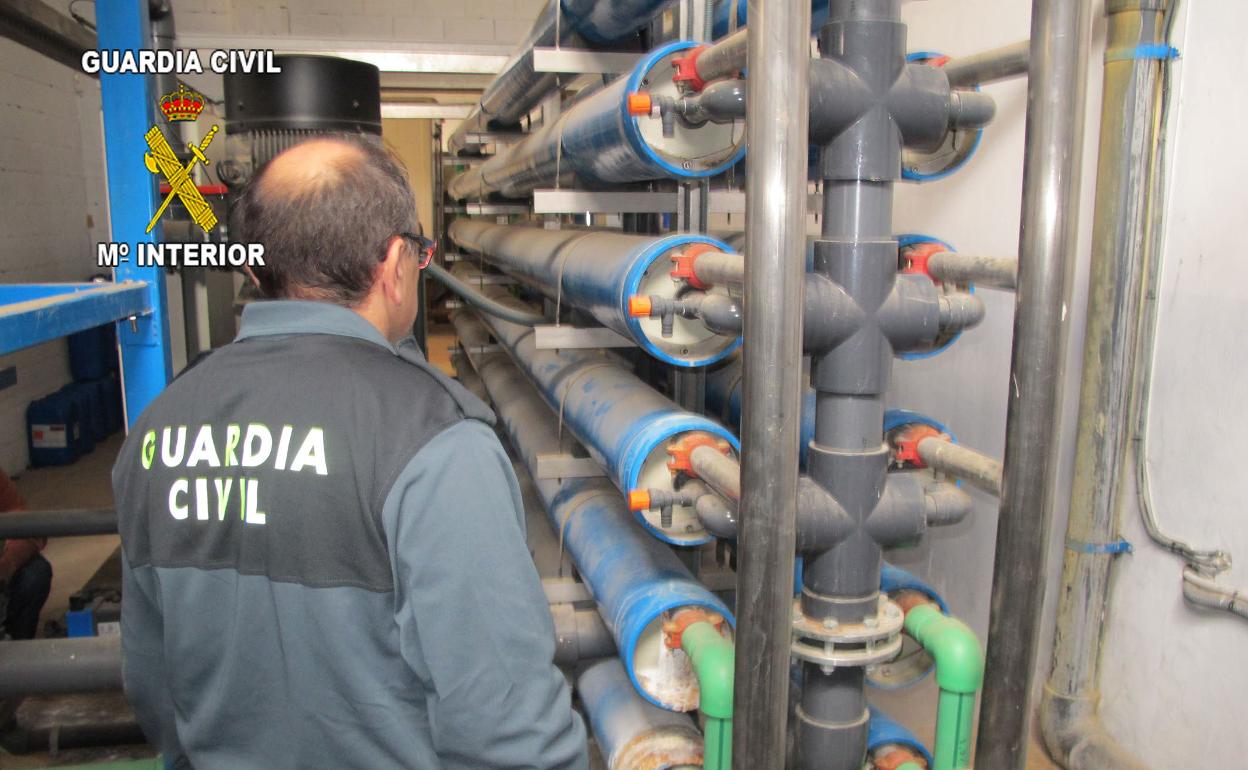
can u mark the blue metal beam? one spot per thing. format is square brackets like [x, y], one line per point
[127, 102]
[36, 313]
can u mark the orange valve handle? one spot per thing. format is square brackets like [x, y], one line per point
[639, 306]
[639, 104]
[639, 500]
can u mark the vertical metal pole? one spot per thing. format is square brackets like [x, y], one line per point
[777, 124]
[1055, 97]
[128, 113]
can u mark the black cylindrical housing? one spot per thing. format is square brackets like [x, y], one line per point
[311, 93]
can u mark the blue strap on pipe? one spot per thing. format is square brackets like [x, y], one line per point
[1155, 51]
[1118, 546]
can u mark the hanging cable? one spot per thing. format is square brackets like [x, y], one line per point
[1202, 564]
[482, 302]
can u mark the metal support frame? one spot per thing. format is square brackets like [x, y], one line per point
[561, 337]
[31, 314]
[573, 201]
[579, 61]
[42, 28]
[34, 313]
[128, 113]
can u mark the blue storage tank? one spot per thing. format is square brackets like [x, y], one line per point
[84, 398]
[106, 418]
[98, 418]
[108, 394]
[93, 353]
[116, 409]
[53, 427]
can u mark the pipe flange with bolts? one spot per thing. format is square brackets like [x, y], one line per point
[826, 642]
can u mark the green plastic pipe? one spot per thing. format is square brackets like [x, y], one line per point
[713, 659]
[959, 672]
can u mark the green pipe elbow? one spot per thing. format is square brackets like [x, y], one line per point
[958, 654]
[713, 659]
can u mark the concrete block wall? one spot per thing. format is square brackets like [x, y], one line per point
[53, 208]
[466, 22]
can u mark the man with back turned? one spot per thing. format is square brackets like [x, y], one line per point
[325, 563]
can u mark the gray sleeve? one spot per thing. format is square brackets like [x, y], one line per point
[473, 620]
[143, 660]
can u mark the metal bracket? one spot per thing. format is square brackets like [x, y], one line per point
[565, 466]
[551, 337]
[582, 61]
[478, 350]
[553, 201]
[489, 279]
[426, 111]
[494, 209]
[733, 202]
[563, 201]
[566, 591]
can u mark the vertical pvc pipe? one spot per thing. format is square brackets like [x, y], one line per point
[1047, 243]
[959, 672]
[1131, 101]
[777, 121]
[712, 657]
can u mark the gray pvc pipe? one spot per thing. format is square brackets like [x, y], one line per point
[990, 66]
[580, 634]
[721, 472]
[727, 57]
[35, 524]
[956, 460]
[47, 666]
[998, 272]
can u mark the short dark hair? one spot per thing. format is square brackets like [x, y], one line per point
[325, 236]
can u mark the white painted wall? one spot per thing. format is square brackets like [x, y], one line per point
[1174, 679]
[53, 208]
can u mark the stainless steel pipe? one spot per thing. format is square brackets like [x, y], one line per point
[1047, 244]
[777, 125]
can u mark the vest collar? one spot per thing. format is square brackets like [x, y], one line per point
[268, 318]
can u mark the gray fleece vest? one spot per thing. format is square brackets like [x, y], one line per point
[275, 455]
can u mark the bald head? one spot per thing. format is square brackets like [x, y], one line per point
[326, 210]
[310, 168]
